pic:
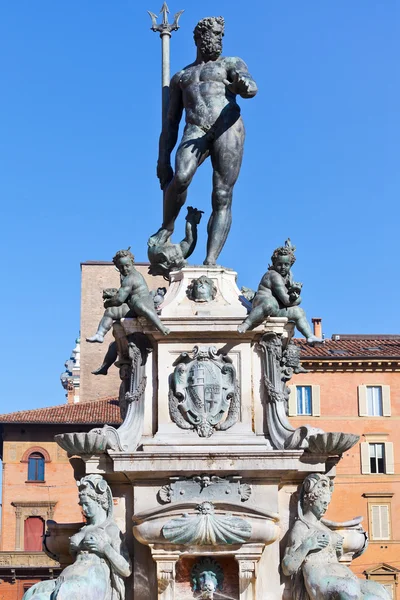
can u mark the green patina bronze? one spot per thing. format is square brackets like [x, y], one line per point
[133, 298]
[279, 296]
[101, 557]
[164, 256]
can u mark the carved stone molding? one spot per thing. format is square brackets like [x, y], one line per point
[23, 510]
[31, 450]
[205, 487]
[166, 563]
[26, 559]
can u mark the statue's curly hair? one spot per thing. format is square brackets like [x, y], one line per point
[96, 488]
[121, 254]
[286, 250]
[205, 24]
[310, 491]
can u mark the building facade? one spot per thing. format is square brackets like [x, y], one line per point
[38, 485]
[353, 385]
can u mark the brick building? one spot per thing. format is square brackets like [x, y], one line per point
[38, 484]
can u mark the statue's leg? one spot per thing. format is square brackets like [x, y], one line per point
[110, 315]
[192, 150]
[262, 308]
[145, 309]
[298, 316]
[109, 359]
[254, 318]
[226, 156]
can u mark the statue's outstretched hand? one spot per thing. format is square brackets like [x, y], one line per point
[164, 174]
[194, 215]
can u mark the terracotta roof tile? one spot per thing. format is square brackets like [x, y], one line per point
[352, 347]
[98, 412]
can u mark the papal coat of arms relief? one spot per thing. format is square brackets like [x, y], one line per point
[204, 394]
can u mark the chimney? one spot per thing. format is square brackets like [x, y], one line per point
[317, 325]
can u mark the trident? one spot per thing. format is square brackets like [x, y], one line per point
[165, 29]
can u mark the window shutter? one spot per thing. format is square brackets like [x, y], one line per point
[365, 463]
[385, 526]
[292, 401]
[316, 401]
[40, 474]
[380, 522]
[375, 522]
[389, 458]
[362, 401]
[386, 401]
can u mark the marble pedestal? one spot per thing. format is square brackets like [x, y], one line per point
[232, 484]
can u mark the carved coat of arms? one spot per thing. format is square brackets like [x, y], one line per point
[204, 392]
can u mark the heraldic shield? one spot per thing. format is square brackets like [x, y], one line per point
[204, 394]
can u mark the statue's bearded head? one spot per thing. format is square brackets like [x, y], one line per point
[208, 35]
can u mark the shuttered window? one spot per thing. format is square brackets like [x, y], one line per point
[374, 401]
[389, 588]
[304, 400]
[377, 458]
[380, 522]
[304, 406]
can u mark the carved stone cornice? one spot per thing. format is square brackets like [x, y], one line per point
[365, 365]
[26, 559]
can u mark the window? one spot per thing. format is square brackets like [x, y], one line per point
[36, 467]
[379, 518]
[374, 401]
[304, 400]
[376, 458]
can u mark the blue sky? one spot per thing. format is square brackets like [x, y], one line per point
[80, 120]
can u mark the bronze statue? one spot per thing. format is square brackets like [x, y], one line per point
[207, 90]
[313, 550]
[101, 558]
[279, 296]
[133, 298]
[164, 256]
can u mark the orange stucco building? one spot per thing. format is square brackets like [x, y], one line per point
[353, 385]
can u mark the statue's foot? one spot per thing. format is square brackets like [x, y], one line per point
[313, 339]
[165, 330]
[242, 327]
[209, 262]
[160, 237]
[96, 338]
[101, 371]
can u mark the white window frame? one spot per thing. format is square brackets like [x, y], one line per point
[315, 400]
[363, 400]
